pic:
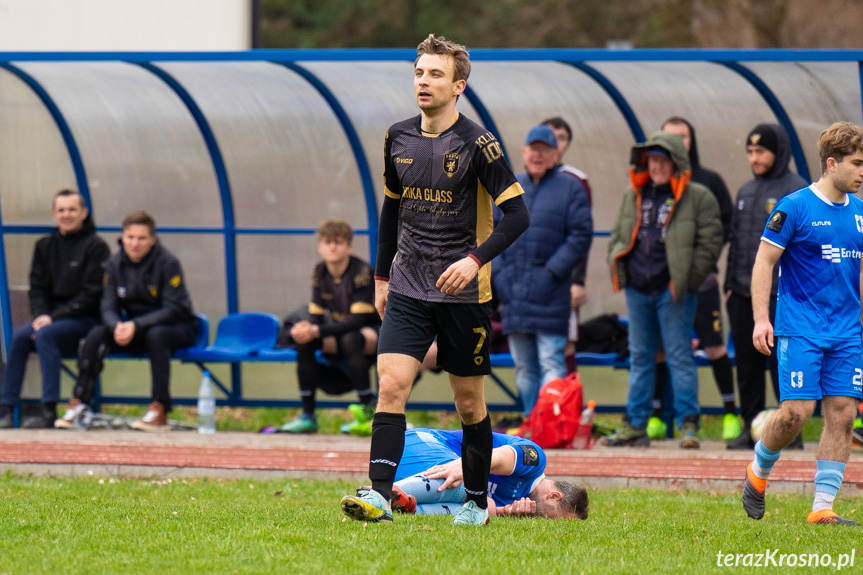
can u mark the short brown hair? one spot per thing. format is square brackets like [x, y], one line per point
[140, 218]
[65, 193]
[335, 230]
[444, 47]
[574, 499]
[838, 141]
[558, 123]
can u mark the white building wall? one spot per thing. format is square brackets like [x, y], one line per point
[125, 25]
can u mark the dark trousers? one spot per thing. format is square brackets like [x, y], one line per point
[347, 370]
[50, 343]
[158, 341]
[750, 362]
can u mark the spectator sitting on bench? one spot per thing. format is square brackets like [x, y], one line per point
[145, 308]
[65, 286]
[343, 286]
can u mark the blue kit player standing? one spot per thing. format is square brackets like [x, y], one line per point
[429, 478]
[816, 235]
[433, 278]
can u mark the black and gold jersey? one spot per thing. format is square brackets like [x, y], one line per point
[445, 184]
[349, 300]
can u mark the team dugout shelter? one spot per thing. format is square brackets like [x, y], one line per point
[239, 156]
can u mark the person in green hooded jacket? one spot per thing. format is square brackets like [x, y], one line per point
[664, 243]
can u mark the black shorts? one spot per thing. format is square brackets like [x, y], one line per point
[708, 318]
[463, 331]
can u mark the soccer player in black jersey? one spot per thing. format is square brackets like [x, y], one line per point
[433, 277]
[343, 287]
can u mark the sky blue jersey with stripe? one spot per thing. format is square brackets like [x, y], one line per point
[425, 448]
[819, 270]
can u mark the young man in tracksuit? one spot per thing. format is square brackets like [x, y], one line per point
[145, 307]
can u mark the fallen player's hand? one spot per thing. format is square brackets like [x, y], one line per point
[450, 472]
[524, 507]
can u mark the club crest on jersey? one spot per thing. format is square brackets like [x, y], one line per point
[450, 164]
[776, 221]
[859, 221]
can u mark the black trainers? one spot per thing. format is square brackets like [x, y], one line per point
[43, 420]
[742, 443]
[6, 417]
[626, 435]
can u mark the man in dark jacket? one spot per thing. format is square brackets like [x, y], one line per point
[145, 307]
[65, 286]
[532, 278]
[768, 150]
[708, 313]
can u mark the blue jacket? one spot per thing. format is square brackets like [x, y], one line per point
[532, 277]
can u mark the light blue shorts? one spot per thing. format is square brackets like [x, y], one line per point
[810, 368]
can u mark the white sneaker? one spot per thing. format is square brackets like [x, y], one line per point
[73, 411]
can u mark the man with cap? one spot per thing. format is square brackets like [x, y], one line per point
[768, 150]
[532, 277]
[664, 243]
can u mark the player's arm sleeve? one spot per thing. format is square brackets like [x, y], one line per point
[514, 222]
[388, 224]
[780, 225]
[317, 307]
[503, 460]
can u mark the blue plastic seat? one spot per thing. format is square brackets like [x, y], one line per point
[240, 336]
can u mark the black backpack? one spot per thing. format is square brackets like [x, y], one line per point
[604, 334]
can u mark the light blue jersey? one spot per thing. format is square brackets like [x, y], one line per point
[425, 448]
[819, 271]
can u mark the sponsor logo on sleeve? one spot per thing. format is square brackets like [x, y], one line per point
[777, 220]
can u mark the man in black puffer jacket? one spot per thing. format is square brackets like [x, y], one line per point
[145, 307]
[65, 287]
[768, 149]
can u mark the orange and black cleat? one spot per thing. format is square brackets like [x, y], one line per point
[753, 494]
[828, 516]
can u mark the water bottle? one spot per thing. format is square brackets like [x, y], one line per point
[206, 405]
[584, 432]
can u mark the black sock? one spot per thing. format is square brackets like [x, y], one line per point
[659, 392]
[476, 446]
[388, 443]
[308, 374]
[724, 376]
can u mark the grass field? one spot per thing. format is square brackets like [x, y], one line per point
[102, 525]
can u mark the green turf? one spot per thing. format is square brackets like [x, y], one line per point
[93, 526]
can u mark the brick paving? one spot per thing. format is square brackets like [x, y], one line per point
[236, 454]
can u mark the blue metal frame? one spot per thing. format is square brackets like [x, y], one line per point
[356, 148]
[485, 117]
[614, 93]
[779, 112]
[577, 58]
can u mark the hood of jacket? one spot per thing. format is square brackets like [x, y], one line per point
[783, 153]
[671, 143]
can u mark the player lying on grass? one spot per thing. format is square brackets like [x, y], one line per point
[429, 478]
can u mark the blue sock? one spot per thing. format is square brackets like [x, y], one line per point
[828, 479]
[764, 460]
[828, 476]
